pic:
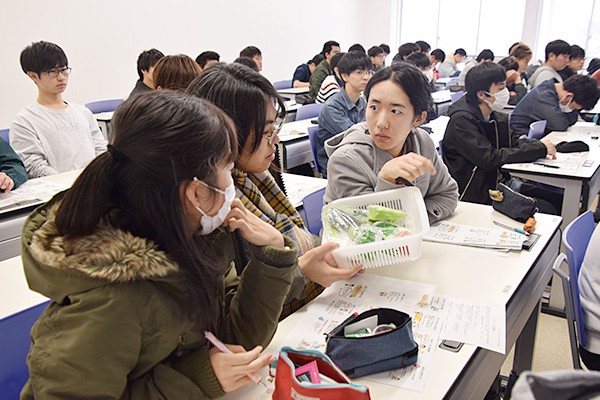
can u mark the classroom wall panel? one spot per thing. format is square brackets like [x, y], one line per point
[103, 39]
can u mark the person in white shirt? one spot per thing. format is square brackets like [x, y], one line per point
[52, 136]
[589, 294]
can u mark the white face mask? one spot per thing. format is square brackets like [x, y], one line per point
[210, 223]
[501, 101]
[429, 75]
[565, 107]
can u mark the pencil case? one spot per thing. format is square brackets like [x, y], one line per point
[366, 355]
[288, 386]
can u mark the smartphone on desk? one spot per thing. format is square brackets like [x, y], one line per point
[451, 345]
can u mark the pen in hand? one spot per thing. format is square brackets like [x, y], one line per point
[219, 345]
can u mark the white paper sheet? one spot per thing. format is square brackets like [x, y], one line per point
[478, 323]
[29, 193]
[298, 186]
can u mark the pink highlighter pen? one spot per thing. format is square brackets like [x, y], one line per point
[219, 345]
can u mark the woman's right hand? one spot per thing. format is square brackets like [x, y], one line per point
[252, 228]
[232, 369]
[409, 166]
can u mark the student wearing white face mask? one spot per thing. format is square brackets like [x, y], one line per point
[556, 102]
[423, 63]
[478, 141]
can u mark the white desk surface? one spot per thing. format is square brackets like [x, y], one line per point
[583, 131]
[438, 128]
[298, 90]
[295, 130]
[16, 295]
[105, 116]
[443, 81]
[291, 105]
[441, 96]
[64, 179]
[457, 271]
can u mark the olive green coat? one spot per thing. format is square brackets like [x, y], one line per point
[117, 326]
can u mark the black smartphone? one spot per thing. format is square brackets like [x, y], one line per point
[451, 345]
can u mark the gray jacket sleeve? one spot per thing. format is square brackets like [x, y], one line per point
[26, 143]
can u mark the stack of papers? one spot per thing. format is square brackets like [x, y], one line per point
[468, 235]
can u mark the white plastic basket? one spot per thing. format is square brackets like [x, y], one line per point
[393, 251]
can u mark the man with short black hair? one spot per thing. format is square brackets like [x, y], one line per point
[405, 50]
[255, 54]
[207, 58]
[556, 102]
[485, 56]
[437, 57]
[346, 107]
[303, 72]
[424, 46]
[558, 54]
[478, 141]
[377, 56]
[323, 70]
[145, 68]
[386, 51]
[448, 67]
[52, 136]
[575, 64]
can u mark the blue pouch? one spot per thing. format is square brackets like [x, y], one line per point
[360, 356]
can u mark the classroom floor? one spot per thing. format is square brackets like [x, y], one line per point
[552, 349]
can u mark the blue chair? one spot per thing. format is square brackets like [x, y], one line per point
[14, 346]
[282, 84]
[103, 105]
[308, 111]
[312, 205]
[312, 137]
[455, 96]
[536, 129]
[4, 135]
[575, 240]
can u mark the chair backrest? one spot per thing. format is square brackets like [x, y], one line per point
[103, 105]
[4, 135]
[312, 137]
[282, 84]
[313, 204]
[308, 111]
[455, 96]
[536, 129]
[14, 346]
[576, 238]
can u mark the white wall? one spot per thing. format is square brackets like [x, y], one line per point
[102, 39]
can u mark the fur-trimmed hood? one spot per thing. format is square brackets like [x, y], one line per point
[56, 266]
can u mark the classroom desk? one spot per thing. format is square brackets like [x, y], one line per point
[16, 295]
[517, 280]
[294, 146]
[11, 221]
[104, 122]
[290, 93]
[578, 173]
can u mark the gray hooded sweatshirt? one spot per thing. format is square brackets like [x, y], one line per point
[355, 162]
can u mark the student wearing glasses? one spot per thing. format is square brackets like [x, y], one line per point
[51, 135]
[258, 111]
[346, 107]
[389, 150]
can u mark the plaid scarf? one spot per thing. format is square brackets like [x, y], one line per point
[260, 195]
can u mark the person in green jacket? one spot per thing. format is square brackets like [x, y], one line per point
[12, 170]
[323, 70]
[137, 267]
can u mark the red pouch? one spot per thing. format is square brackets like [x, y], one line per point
[288, 386]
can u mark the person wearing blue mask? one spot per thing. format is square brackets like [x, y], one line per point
[478, 141]
[556, 102]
